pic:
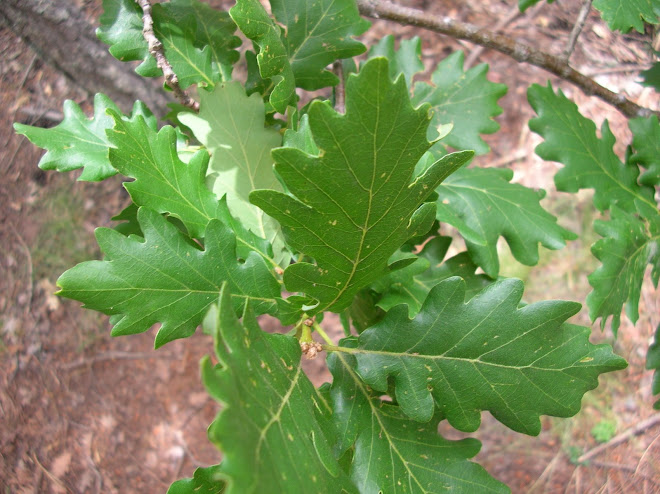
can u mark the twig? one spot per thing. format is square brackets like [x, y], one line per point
[577, 29]
[513, 14]
[340, 89]
[116, 355]
[521, 52]
[52, 477]
[156, 49]
[624, 436]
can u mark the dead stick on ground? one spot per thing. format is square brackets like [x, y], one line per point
[156, 49]
[624, 436]
[521, 52]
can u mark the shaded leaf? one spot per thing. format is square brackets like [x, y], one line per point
[627, 14]
[256, 24]
[589, 162]
[316, 34]
[79, 142]
[274, 429]
[629, 244]
[356, 201]
[394, 454]
[407, 60]
[651, 76]
[653, 362]
[646, 143]
[231, 126]
[465, 99]
[484, 201]
[165, 278]
[486, 354]
[525, 4]
[205, 481]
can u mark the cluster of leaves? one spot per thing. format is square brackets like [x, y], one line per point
[223, 202]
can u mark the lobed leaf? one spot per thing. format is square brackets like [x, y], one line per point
[356, 202]
[316, 34]
[628, 246]
[465, 99]
[231, 126]
[407, 60]
[627, 14]
[484, 354]
[392, 454]
[484, 201]
[589, 162]
[165, 278]
[205, 481]
[79, 142]
[274, 429]
[646, 143]
[273, 60]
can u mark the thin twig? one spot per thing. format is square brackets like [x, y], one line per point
[52, 477]
[340, 89]
[577, 29]
[624, 436]
[513, 14]
[521, 52]
[156, 49]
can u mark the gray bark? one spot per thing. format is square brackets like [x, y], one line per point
[61, 35]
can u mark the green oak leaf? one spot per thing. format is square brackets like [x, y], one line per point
[231, 126]
[627, 14]
[411, 285]
[465, 99]
[165, 278]
[653, 362]
[79, 142]
[316, 34]
[484, 354]
[651, 77]
[213, 28]
[392, 453]
[121, 28]
[274, 429]
[646, 143]
[589, 162]
[407, 60]
[205, 481]
[629, 244]
[484, 200]
[273, 60]
[355, 202]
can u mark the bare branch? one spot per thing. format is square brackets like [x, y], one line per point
[577, 29]
[156, 49]
[521, 52]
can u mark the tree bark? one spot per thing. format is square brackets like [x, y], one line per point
[59, 32]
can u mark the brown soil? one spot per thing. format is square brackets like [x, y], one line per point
[81, 412]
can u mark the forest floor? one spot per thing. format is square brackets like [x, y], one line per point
[83, 412]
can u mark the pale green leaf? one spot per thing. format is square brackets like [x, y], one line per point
[272, 58]
[165, 278]
[356, 202]
[394, 455]
[315, 34]
[628, 246]
[407, 60]
[589, 162]
[79, 142]
[484, 200]
[466, 99]
[274, 429]
[231, 126]
[484, 354]
[646, 143]
[625, 15]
